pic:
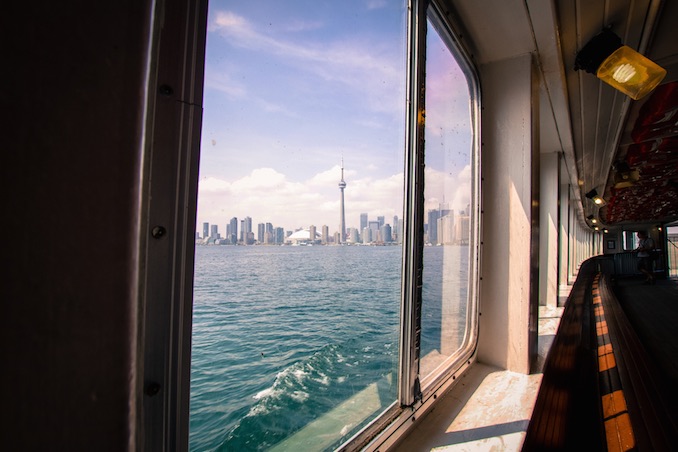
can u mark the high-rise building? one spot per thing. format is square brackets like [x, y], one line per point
[363, 221]
[325, 236]
[233, 230]
[432, 223]
[462, 232]
[396, 228]
[205, 230]
[373, 226]
[249, 238]
[214, 232]
[446, 229]
[366, 235]
[400, 231]
[261, 232]
[342, 216]
[311, 234]
[385, 231]
[433, 217]
[381, 221]
[247, 234]
[269, 236]
[279, 234]
[352, 235]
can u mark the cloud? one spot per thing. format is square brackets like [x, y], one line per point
[231, 22]
[370, 69]
[223, 82]
[331, 177]
[296, 25]
[444, 188]
[267, 195]
[376, 4]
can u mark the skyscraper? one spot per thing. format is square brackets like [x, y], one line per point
[261, 232]
[325, 235]
[279, 234]
[247, 234]
[342, 216]
[233, 230]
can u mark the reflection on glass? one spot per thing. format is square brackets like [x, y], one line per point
[295, 322]
[448, 184]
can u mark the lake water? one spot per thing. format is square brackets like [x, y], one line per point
[283, 334]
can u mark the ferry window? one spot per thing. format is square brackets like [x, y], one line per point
[298, 256]
[448, 315]
[630, 240]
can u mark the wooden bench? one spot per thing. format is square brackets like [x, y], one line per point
[600, 390]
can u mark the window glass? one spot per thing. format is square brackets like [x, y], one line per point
[672, 250]
[449, 203]
[298, 257]
[630, 240]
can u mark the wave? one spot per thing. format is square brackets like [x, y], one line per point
[307, 389]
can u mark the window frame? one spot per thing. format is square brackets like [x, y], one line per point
[414, 400]
[437, 18]
[169, 176]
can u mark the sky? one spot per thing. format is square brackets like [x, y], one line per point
[294, 88]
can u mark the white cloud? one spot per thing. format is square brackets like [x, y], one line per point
[372, 70]
[266, 195]
[296, 25]
[223, 82]
[454, 190]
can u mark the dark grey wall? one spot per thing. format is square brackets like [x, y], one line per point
[72, 98]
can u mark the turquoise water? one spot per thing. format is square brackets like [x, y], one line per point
[283, 334]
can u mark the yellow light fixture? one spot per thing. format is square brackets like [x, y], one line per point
[619, 66]
[595, 197]
[624, 176]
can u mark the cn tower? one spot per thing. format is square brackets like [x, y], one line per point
[342, 215]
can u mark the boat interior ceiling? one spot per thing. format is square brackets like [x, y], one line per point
[624, 149]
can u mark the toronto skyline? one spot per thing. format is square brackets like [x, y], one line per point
[277, 155]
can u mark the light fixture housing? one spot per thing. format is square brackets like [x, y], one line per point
[619, 66]
[624, 176]
[597, 199]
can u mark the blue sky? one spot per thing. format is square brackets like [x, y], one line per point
[293, 87]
